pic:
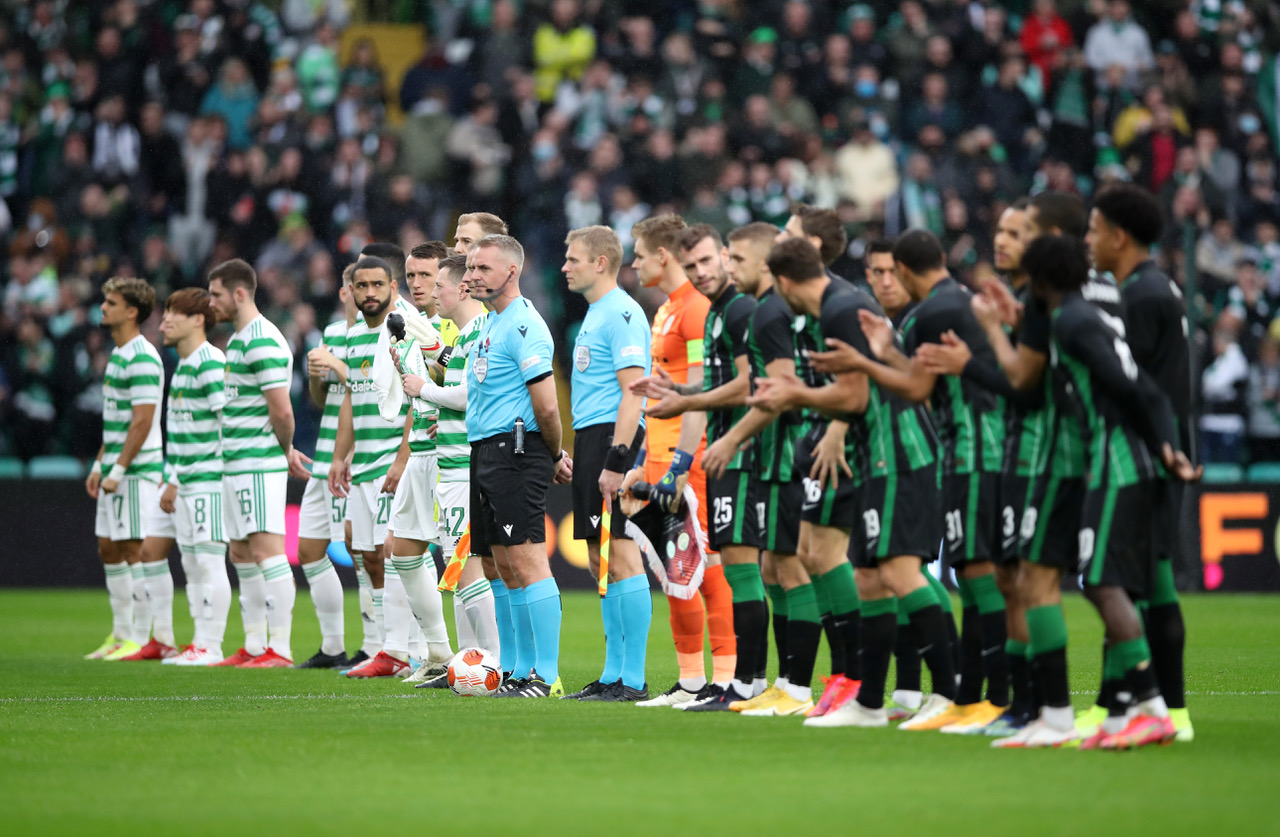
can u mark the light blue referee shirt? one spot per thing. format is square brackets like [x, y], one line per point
[615, 335]
[512, 349]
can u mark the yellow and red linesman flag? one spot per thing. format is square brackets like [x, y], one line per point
[458, 560]
[606, 519]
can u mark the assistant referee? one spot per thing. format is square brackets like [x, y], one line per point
[513, 425]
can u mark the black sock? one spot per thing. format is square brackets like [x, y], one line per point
[878, 633]
[802, 651]
[1051, 678]
[1167, 636]
[953, 637]
[970, 690]
[907, 656]
[1023, 702]
[995, 661]
[748, 616]
[781, 627]
[835, 643]
[762, 645]
[849, 626]
[1106, 689]
[929, 630]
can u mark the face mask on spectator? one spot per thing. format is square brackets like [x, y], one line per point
[866, 88]
[1250, 124]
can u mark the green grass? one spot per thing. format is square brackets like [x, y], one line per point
[100, 748]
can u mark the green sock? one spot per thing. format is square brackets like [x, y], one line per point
[802, 604]
[903, 618]
[1016, 648]
[744, 580]
[1048, 630]
[917, 600]
[841, 589]
[1129, 655]
[965, 586]
[986, 595]
[940, 591]
[778, 598]
[879, 607]
[1164, 591]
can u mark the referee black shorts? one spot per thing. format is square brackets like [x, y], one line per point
[590, 447]
[509, 491]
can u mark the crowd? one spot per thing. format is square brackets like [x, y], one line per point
[158, 138]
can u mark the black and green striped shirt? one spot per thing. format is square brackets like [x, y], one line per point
[724, 341]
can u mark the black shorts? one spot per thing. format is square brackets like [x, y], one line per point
[971, 517]
[590, 446]
[825, 506]
[900, 516]
[778, 509]
[1050, 533]
[733, 518]
[1115, 537]
[1013, 504]
[509, 491]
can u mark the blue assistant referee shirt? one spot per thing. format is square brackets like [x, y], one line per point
[615, 335]
[512, 349]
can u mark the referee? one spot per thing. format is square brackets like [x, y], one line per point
[513, 425]
[611, 352]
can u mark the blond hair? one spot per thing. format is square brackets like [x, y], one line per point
[599, 241]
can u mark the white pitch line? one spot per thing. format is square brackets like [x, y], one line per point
[250, 698]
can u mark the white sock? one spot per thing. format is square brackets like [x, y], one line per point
[195, 589]
[253, 607]
[758, 686]
[800, 693]
[781, 684]
[326, 595]
[907, 698]
[482, 618]
[140, 631]
[417, 642]
[281, 594]
[397, 615]
[1156, 707]
[379, 616]
[741, 688]
[466, 634]
[693, 684]
[215, 599]
[159, 582]
[1060, 718]
[371, 644]
[120, 594]
[424, 599]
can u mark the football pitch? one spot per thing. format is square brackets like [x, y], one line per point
[140, 748]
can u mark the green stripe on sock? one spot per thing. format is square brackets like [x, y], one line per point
[917, 600]
[842, 589]
[1130, 654]
[986, 594]
[802, 604]
[1016, 648]
[879, 607]
[317, 568]
[778, 598]
[965, 586]
[1048, 629]
[744, 580]
[1164, 591]
[406, 565]
[903, 618]
[940, 591]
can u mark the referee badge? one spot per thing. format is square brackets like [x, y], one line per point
[582, 358]
[482, 368]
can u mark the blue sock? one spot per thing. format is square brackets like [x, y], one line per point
[611, 615]
[545, 611]
[506, 633]
[523, 626]
[637, 613]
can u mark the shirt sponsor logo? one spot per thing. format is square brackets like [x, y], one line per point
[582, 358]
[366, 368]
[529, 363]
[232, 391]
[632, 351]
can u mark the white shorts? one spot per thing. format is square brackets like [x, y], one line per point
[122, 516]
[199, 515]
[369, 511]
[253, 503]
[321, 515]
[454, 500]
[161, 524]
[413, 511]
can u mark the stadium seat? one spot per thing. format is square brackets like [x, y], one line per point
[56, 468]
[1220, 472]
[1264, 472]
[10, 468]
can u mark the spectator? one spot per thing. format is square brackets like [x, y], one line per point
[908, 37]
[1264, 403]
[1156, 150]
[317, 69]
[917, 204]
[755, 72]
[1246, 299]
[1005, 109]
[562, 48]
[234, 99]
[480, 156]
[1217, 254]
[1045, 35]
[116, 147]
[868, 171]
[501, 48]
[792, 114]
[33, 396]
[1119, 40]
[934, 107]
[1223, 385]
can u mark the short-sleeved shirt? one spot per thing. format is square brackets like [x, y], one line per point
[969, 418]
[1155, 316]
[197, 395]
[614, 335]
[724, 341]
[678, 330]
[771, 338]
[134, 379]
[258, 361]
[452, 447]
[377, 441]
[513, 350]
[335, 340]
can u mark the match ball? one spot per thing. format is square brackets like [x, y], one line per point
[474, 672]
